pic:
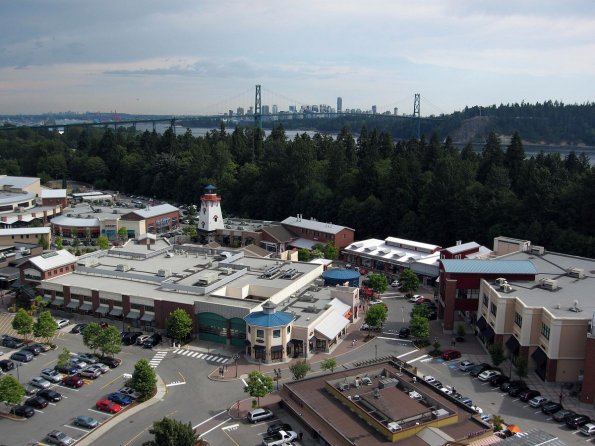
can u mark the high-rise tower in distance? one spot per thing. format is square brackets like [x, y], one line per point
[339, 105]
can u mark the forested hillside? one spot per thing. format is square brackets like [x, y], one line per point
[423, 190]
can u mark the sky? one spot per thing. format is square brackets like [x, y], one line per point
[206, 56]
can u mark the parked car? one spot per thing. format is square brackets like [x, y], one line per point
[152, 341]
[50, 395]
[588, 429]
[563, 414]
[73, 381]
[51, 375]
[505, 387]
[99, 366]
[450, 354]
[11, 342]
[497, 380]
[577, 421]
[112, 363]
[467, 401]
[90, 373]
[78, 328]
[43, 347]
[484, 376]
[67, 369]
[394, 284]
[437, 384]
[40, 383]
[517, 390]
[465, 366]
[62, 322]
[120, 398]
[130, 392]
[479, 368]
[538, 401]
[416, 297]
[108, 406]
[528, 394]
[85, 421]
[429, 379]
[140, 339]
[59, 438]
[22, 356]
[33, 348]
[551, 408]
[404, 333]
[276, 427]
[23, 411]
[6, 365]
[30, 390]
[422, 301]
[37, 402]
[129, 338]
[78, 362]
[256, 415]
[87, 357]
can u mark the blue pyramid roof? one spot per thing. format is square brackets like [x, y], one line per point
[264, 319]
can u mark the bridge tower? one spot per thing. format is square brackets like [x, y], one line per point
[416, 113]
[257, 108]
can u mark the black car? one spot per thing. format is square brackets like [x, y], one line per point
[6, 365]
[505, 387]
[551, 407]
[23, 411]
[109, 361]
[78, 328]
[11, 342]
[517, 390]
[528, 394]
[50, 395]
[152, 341]
[498, 380]
[564, 414]
[33, 348]
[577, 421]
[479, 368]
[130, 337]
[276, 427]
[437, 384]
[404, 332]
[36, 402]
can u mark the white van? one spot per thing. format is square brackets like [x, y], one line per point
[256, 415]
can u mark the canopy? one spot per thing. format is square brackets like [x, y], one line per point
[331, 325]
[133, 314]
[102, 309]
[73, 304]
[116, 311]
[148, 317]
[86, 306]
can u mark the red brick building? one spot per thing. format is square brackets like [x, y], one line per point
[47, 266]
[161, 218]
[54, 197]
[311, 232]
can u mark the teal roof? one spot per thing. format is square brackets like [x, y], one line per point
[488, 266]
[276, 319]
[341, 274]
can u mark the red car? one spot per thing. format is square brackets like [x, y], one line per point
[108, 406]
[73, 381]
[447, 355]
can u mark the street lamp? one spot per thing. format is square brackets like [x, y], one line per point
[403, 313]
[376, 347]
[277, 376]
[235, 358]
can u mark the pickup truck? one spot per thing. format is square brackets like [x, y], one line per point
[279, 438]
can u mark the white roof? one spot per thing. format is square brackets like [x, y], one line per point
[321, 261]
[330, 326]
[53, 193]
[380, 250]
[98, 197]
[315, 225]
[410, 244]
[303, 243]
[53, 259]
[340, 307]
[17, 182]
[24, 231]
[147, 235]
[87, 194]
[15, 197]
[75, 222]
[464, 247]
[154, 211]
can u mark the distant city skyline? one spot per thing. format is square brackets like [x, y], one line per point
[190, 57]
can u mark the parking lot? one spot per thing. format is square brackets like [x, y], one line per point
[75, 401]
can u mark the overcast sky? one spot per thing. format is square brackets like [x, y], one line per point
[205, 56]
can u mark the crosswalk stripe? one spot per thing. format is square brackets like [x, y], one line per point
[202, 355]
[220, 359]
[208, 358]
[195, 355]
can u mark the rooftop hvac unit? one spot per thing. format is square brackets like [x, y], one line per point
[577, 273]
[164, 273]
[549, 284]
[226, 271]
[506, 288]
[500, 281]
[123, 267]
[394, 427]
[503, 284]
[538, 250]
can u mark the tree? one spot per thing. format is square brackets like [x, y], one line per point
[45, 326]
[299, 369]
[304, 255]
[102, 242]
[64, 357]
[378, 283]
[76, 242]
[409, 282]
[123, 233]
[329, 364]
[143, 379]
[497, 422]
[179, 325]
[59, 241]
[109, 341]
[22, 322]
[169, 432]
[376, 315]
[461, 332]
[497, 353]
[43, 242]
[11, 391]
[330, 251]
[420, 327]
[522, 368]
[91, 336]
[37, 305]
[420, 311]
[258, 385]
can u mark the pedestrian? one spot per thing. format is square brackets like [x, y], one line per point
[352, 343]
[301, 436]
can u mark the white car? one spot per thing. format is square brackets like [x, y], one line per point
[449, 390]
[375, 302]
[588, 429]
[477, 409]
[429, 379]
[484, 376]
[416, 297]
[142, 338]
[466, 365]
[395, 284]
[62, 322]
[130, 392]
[51, 375]
[40, 383]
[538, 401]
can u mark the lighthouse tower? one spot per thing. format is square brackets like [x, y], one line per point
[209, 217]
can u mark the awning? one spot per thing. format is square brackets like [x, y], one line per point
[259, 347]
[58, 300]
[277, 348]
[331, 325]
[116, 311]
[481, 323]
[513, 345]
[539, 356]
[133, 314]
[489, 334]
[73, 304]
[102, 309]
[86, 306]
[295, 341]
[148, 317]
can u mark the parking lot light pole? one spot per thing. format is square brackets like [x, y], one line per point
[376, 347]
[277, 376]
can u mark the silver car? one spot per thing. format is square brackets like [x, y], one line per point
[40, 383]
[59, 438]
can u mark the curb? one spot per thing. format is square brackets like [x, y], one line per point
[95, 434]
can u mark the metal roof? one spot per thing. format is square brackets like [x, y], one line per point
[462, 247]
[25, 231]
[53, 259]
[341, 274]
[262, 319]
[327, 228]
[53, 193]
[154, 211]
[75, 221]
[488, 266]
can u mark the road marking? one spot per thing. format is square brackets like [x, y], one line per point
[418, 358]
[109, 383]
[79, 429]
[208, 358]
[220, 359]
[66, 387]
[231, 427]
[175, 383]
[194, 355]
[176, 350]
[539, 411]
[202, 355]
[209, 419]
[211, 430]
[245, 383]
[102, 413]
[408, 353]
[37, 410]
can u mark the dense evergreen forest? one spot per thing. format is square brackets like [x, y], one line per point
[424, 190]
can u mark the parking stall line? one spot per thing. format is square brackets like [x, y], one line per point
[211, 430]
[69, 388]
[209, 419]
[102, 413]
[417, 359]
[78, 428]
[38, 411]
